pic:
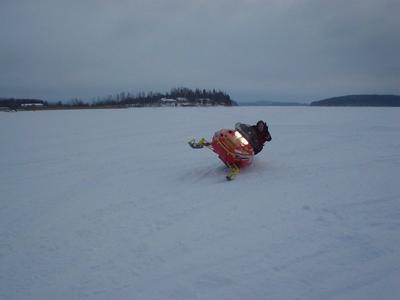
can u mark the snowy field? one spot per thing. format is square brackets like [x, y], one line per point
[113, 204]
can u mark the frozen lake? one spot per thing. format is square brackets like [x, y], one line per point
[113, 204]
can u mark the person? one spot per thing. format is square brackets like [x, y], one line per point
[261, 136]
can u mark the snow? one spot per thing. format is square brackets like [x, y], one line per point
[113, 204]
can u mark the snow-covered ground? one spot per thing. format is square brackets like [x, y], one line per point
[113, 204]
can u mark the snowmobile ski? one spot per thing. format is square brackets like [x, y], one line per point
[200, 144]
[233, 172]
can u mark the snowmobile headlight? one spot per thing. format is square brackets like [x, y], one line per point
[241, 138]
[244, 141]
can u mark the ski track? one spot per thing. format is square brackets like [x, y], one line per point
[114, 204]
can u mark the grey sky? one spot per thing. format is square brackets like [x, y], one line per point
[284, 50]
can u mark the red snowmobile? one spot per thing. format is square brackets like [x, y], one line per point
[233, 146]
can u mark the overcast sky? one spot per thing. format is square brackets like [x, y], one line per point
[282, 50]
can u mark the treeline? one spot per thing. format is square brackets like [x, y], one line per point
[175, 97]
[183, 96]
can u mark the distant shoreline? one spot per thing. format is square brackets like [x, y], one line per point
[272, 103]
[360, 101]
[342, 101]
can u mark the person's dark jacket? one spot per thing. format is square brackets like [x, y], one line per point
[260, 138]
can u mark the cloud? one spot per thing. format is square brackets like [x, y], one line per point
[251, 49]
